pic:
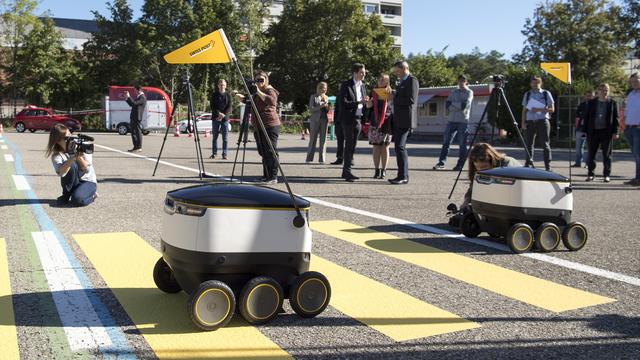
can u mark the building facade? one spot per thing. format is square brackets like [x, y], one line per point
[390, 12]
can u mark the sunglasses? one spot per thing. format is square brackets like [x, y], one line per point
[260, 80]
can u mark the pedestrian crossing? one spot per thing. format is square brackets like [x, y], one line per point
[125, 262]
[8, 336]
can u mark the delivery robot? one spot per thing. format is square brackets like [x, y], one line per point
[238, 247]
[526, 206]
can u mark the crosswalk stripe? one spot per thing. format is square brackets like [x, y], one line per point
[525, 288]
[8, 337]
[125, 261]
[387, 310]
[8, 157]
[21, 182]
[81, 324]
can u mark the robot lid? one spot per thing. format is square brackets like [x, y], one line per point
[524, 173]
[236, 196]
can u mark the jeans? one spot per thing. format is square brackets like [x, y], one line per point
[136, 134]
[632, 134]
[350, 130]
[542, 130]
[78, 192]
[318, 127]
[453, 129]
[217, 128]
[581, 142]
[602, 139]
[269, 159]
[400, 136]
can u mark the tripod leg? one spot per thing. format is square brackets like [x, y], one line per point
[195, 130]
[515, 126]
[166, 132]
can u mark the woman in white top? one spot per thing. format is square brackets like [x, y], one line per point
[77, 176]
[319, 121]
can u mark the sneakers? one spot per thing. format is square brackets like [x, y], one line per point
[135, 150]
[590, 178]
[270, 181]
[224, 157]
[576, 165]
[439, 166]
[213, 156]
[457, 168]
[607, 179]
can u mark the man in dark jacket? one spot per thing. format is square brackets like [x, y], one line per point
[601, 124]
[135, 118]
[220, 109]
[405, 118]
[351, 100]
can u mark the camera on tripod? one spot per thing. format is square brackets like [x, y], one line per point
[76, 144]
[252, 86]
[498, 79]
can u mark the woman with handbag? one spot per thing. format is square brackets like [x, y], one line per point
[380, 113]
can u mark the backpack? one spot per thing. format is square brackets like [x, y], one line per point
[545, 92]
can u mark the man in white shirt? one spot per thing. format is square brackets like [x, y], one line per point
[537, 107]
[632, 126]
[351, 100]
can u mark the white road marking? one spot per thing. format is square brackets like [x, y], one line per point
[81, 324]
[21, 182]
[4, 147]
[434, 230]
[8, 157]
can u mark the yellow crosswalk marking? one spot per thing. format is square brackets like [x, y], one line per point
[387, 310]
[125, 262]
[528, 289]
[8, 337]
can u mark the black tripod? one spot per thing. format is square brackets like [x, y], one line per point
[191, 119]
[497, 96]
[243, 138]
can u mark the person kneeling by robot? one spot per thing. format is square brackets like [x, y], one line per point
[71, 157]
[481, 157]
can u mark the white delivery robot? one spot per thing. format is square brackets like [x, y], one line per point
[238, 246]
[511, 202]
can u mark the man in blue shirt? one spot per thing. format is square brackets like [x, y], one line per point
[537, 107]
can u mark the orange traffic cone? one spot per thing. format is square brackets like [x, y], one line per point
[177, 132]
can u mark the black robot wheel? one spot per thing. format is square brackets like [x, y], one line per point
[163, 277]
[260, 300]
[547, 237]
[469, 226]
[212, 304]
[574, 236]
[310, 294]
[520, 238]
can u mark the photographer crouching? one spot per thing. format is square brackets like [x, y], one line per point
[265, 97]
[72, 160]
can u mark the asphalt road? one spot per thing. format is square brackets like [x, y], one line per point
[130, 200]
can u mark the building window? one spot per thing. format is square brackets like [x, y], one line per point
[432, 109]
[370, 8]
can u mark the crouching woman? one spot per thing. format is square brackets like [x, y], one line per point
[482, 157]
[77, 176]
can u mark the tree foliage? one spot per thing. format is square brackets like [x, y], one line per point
[431, 69]
[319, 40]
[631, 24]
[478, 66]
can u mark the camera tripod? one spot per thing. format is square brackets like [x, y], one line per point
[186, 82]
[498, 97]
[243, 138]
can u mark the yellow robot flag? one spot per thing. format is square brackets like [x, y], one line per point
[213, 48]
[561, 71]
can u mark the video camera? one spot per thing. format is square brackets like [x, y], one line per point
[498, 80]
[252, 86]
[80, 143]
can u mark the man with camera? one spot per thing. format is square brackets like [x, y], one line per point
[135, 118]
[351, 100]
[72, 161]
[537, 107]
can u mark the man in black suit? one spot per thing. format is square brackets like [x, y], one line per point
[405, 118]
[351, 101]
[138, 105]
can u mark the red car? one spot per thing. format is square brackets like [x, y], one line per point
[34, 118]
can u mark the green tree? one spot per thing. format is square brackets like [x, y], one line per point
[17, 19]
[46, 68]
[631, 24]
[582, 32]
[320, 40]
[478, 65]
[431, 69]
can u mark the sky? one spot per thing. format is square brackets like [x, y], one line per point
[458, 26]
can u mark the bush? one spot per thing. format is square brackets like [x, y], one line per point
[93, 122]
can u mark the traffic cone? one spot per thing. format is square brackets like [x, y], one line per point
[1, 129]
[206, 133]
[177, 132]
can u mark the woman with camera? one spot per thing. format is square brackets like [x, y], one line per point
[266, 101]
[380, 115]
[319, 121]
[78, 178]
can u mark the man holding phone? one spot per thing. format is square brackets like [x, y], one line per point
[138, 105]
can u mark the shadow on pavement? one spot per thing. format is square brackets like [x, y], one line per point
[14, 202]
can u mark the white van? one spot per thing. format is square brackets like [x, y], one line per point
[157, 114]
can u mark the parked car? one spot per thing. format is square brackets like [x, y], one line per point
[34, 118]
[204, 123]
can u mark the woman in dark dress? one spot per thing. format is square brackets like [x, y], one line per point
[380, 111]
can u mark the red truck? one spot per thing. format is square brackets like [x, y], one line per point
[34, 118]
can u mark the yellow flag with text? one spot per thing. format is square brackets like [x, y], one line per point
[561, 71]
[213, 48]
